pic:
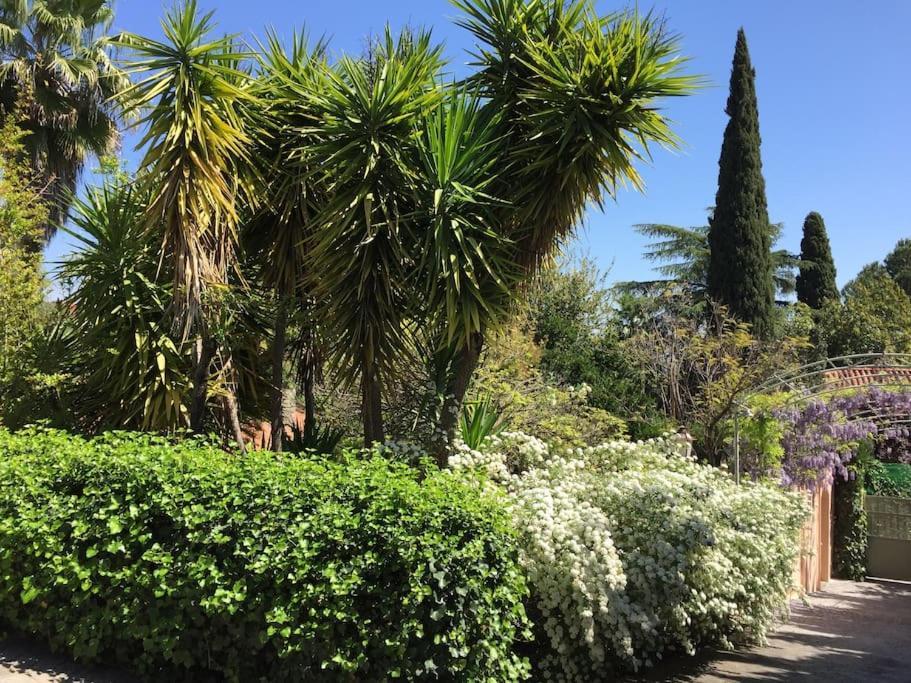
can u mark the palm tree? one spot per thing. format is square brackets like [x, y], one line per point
[190, 91]
[282, 227]
[576, 96]
[684, 257]
[55, 68]
[369, 110]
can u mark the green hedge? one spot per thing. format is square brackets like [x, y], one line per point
[889, 479]
[849, 543]
[179, 559]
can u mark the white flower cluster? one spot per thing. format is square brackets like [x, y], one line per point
[633, 550]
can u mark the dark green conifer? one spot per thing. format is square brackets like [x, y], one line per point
[816, 281]
[740, 263]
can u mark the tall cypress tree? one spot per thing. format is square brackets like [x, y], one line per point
[816, 280]
[740, 262]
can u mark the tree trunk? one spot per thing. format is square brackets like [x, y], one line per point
[278, 377]
[205, 352]
[372, 405]
[466, 362]
[230, 404]
[309, 399]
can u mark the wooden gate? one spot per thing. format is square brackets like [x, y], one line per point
[889, 547]
[814, 565]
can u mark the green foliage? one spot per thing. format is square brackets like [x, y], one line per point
[314, 438]
[56, 71]
[875, 316]
[761, 434]
[132, 370]
[22, 285]
[888, 479]
[849, 530]
[740, 264]
[572, 319]
[178, 558]
[684, 256]
[479, 420]
[816, 281]
[512, 375]
[189, 91]
[699, 370]
[898, 265]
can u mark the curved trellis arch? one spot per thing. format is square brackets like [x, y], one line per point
[831, 377]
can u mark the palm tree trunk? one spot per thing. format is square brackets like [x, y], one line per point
[205, 352]
[371, 404]
[309, 398]
[230, 403]
[466, 362]
[278, 376]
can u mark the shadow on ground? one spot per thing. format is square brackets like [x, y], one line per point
[22, 660]
[849, 632]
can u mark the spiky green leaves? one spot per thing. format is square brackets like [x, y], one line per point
[467, 264]
[189, 90]
[578, 98]
[55, 69]
[369, 112]
[134, 373]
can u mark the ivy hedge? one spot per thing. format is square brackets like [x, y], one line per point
[179, 560]
[889, 479]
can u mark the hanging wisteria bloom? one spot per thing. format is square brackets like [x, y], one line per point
[821, 437]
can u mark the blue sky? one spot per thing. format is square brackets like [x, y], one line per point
[833, 104]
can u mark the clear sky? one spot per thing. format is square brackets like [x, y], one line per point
[834, 103]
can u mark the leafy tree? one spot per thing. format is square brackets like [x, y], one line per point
[441, 202]
[898, 265]
[55, 67]
[684, 256]
[369, 110]
[572, 319]
[191, 91]
[740, 265]
[875, 316]
[573, 92]
[697, 371]
[816, 281]
[22, 284]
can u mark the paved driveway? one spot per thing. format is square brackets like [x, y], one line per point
[852, 632]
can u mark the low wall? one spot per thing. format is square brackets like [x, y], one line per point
[889, 547]
[814, 566]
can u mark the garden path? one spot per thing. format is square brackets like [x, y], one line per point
[850, 632]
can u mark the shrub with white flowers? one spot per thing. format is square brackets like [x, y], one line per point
[633, 550]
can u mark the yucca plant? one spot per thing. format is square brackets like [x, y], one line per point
[133, 371]
[56, 72]
[576, 96]
[279, 231]
[190, 89]
[313, 438]
[481, 420]
[369, 110]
